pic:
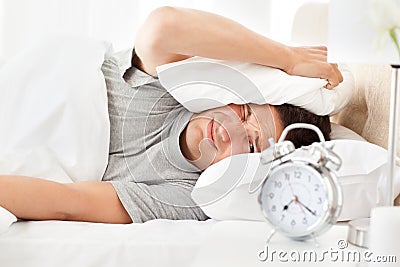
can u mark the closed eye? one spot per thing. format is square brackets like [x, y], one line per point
[251, 146]
[242, 113]
[246, 115]
[255, 145]
[245, 112]
[248, 112]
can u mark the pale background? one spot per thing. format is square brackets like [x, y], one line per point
[117, 21]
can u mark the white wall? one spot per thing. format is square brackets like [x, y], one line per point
[282, 15]
[24, 21]
[1, 30]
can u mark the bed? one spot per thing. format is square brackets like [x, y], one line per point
[154, 243]
[195, 243]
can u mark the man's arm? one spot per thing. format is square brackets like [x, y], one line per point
[38, 199]
[171, 34]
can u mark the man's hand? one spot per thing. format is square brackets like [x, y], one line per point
[312, 62]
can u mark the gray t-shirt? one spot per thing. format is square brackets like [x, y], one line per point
[146, 167]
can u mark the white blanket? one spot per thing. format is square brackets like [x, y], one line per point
[156, 243]
[54, 114]
[62, 244]
[53, 111]
[6, 219]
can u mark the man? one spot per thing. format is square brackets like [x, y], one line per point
[157, 148]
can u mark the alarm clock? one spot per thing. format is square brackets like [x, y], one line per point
[300, 196]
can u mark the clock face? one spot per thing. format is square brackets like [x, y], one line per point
[294, 198]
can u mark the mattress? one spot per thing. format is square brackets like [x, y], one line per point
[154, 243]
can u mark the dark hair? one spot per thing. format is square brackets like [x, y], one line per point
[289, 114]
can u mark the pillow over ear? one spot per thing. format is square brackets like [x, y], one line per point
[201, 83]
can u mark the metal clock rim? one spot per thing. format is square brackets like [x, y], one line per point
[330, 211]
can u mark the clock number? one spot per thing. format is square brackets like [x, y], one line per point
[297, 174]
[305, 220]
[316, 187]
[277, 184]
[319, 200]
[283, 217]
[287, 176]
[271, 195]
[293, 223]
[273, 208]
[309, 178]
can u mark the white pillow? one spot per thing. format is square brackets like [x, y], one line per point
[53, 111]
[201, 83]
[222, 191]
[340, 132]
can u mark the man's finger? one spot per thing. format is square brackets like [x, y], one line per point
[329, 86]
[333, 77]
[339, 73]
[319, 47]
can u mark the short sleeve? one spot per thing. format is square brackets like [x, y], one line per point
[122, 63]
[145, 202]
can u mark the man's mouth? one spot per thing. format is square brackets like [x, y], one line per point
[210, 132]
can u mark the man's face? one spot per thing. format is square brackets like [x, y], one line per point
[215, 134]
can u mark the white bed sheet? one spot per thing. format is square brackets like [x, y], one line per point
[154, 243]
[59, 243]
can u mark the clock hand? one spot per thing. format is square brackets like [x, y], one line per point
[307, 208]
[287, 205]
[291, 188]
[294, 198]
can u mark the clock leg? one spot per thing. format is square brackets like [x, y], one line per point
[314, 236]
[263, 254]
[270, 236]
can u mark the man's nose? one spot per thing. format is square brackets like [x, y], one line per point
[224, 135]
[232, 136]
